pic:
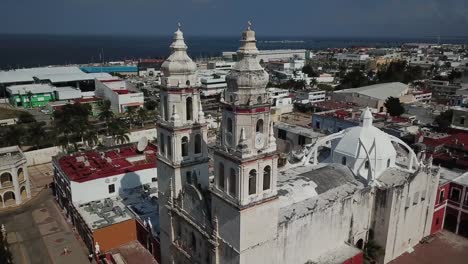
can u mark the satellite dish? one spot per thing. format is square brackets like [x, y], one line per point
[142, 144]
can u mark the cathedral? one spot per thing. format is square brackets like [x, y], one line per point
[349, 189]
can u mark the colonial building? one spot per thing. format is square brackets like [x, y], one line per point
[15, 187]
[345, 190]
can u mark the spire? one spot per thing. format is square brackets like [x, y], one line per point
[242, 147]
[248, 42]
[201, 115]
[175, 117]
[366, 118]
[272, 138]
[178, 40]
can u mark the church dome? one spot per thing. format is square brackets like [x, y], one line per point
[247, 72]
[178, 63]
[364, 148]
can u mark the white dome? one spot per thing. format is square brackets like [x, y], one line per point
[365, 149]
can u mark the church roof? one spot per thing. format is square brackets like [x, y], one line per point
[367, 134]
[304, 189]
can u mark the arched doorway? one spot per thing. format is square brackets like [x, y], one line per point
[20, 175]
[6, 179]
[9, 198]
[360, 244]
[24, 193]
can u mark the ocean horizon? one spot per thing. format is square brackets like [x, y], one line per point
[32, 50]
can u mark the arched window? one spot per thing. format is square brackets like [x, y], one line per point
[198, 143]
[266, 178]
[259, 126]
[231, 99]
[165, 109]
[6, 179]
[169, 146]
[229, 125]
[343, 160]
[184, 146]
[259, 100]
[252, 182]
[187, 83]
[221, 176]
[388, 163]
[232, 182]
[162, 145]
[462, 121]
[189, 110]
[366, 165]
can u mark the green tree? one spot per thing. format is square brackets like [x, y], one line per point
[142, 116]
[119, 131]
[5, 255]
[36, 134]
[70, 124]
[106, 114]
[13, 136]
[150, 105]
[394, 106]
[130, 114]
[313, 82]
[372, 251]
[307, 69]
[444, 120]
[353, 79]
[30, 95]
[325, 87]
[25, 118]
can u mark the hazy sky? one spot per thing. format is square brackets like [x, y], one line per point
[367, 18]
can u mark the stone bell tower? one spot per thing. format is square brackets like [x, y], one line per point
[245, 160]
[182, 135]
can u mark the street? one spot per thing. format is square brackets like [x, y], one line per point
[38, 233]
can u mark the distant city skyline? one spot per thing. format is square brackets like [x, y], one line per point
[320, 18]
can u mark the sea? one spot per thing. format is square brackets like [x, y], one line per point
[20, 51]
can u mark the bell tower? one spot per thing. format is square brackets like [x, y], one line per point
[245, 159]
[182, 135]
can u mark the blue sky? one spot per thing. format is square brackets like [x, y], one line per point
[336, 18]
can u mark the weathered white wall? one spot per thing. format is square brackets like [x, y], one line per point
[150, 134]
[409, 218]
[41, 156]
[308, 237]
[98, 189]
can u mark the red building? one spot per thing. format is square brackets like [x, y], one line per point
[451, 206]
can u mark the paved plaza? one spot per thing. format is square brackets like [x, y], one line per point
[444, 247]
[38, 233]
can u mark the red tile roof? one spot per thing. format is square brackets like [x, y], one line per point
[112, 162]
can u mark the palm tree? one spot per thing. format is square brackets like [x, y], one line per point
[119, 131]
[106, 114]
[130, 115]
[30, 95]
[91, 137]
[142, 115]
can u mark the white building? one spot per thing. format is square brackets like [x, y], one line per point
[15, 186]
[281, 101]
[220, 65]
[119, 93]
[310, 96]
[84, 177]
[255, 212]
[212, 82]
[271, 55]
[351, 57]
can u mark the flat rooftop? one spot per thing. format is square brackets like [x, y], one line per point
[10, 156]
[137, 203]
[91, 165]
[300, 130]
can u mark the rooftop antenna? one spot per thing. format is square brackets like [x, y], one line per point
[142, 144]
